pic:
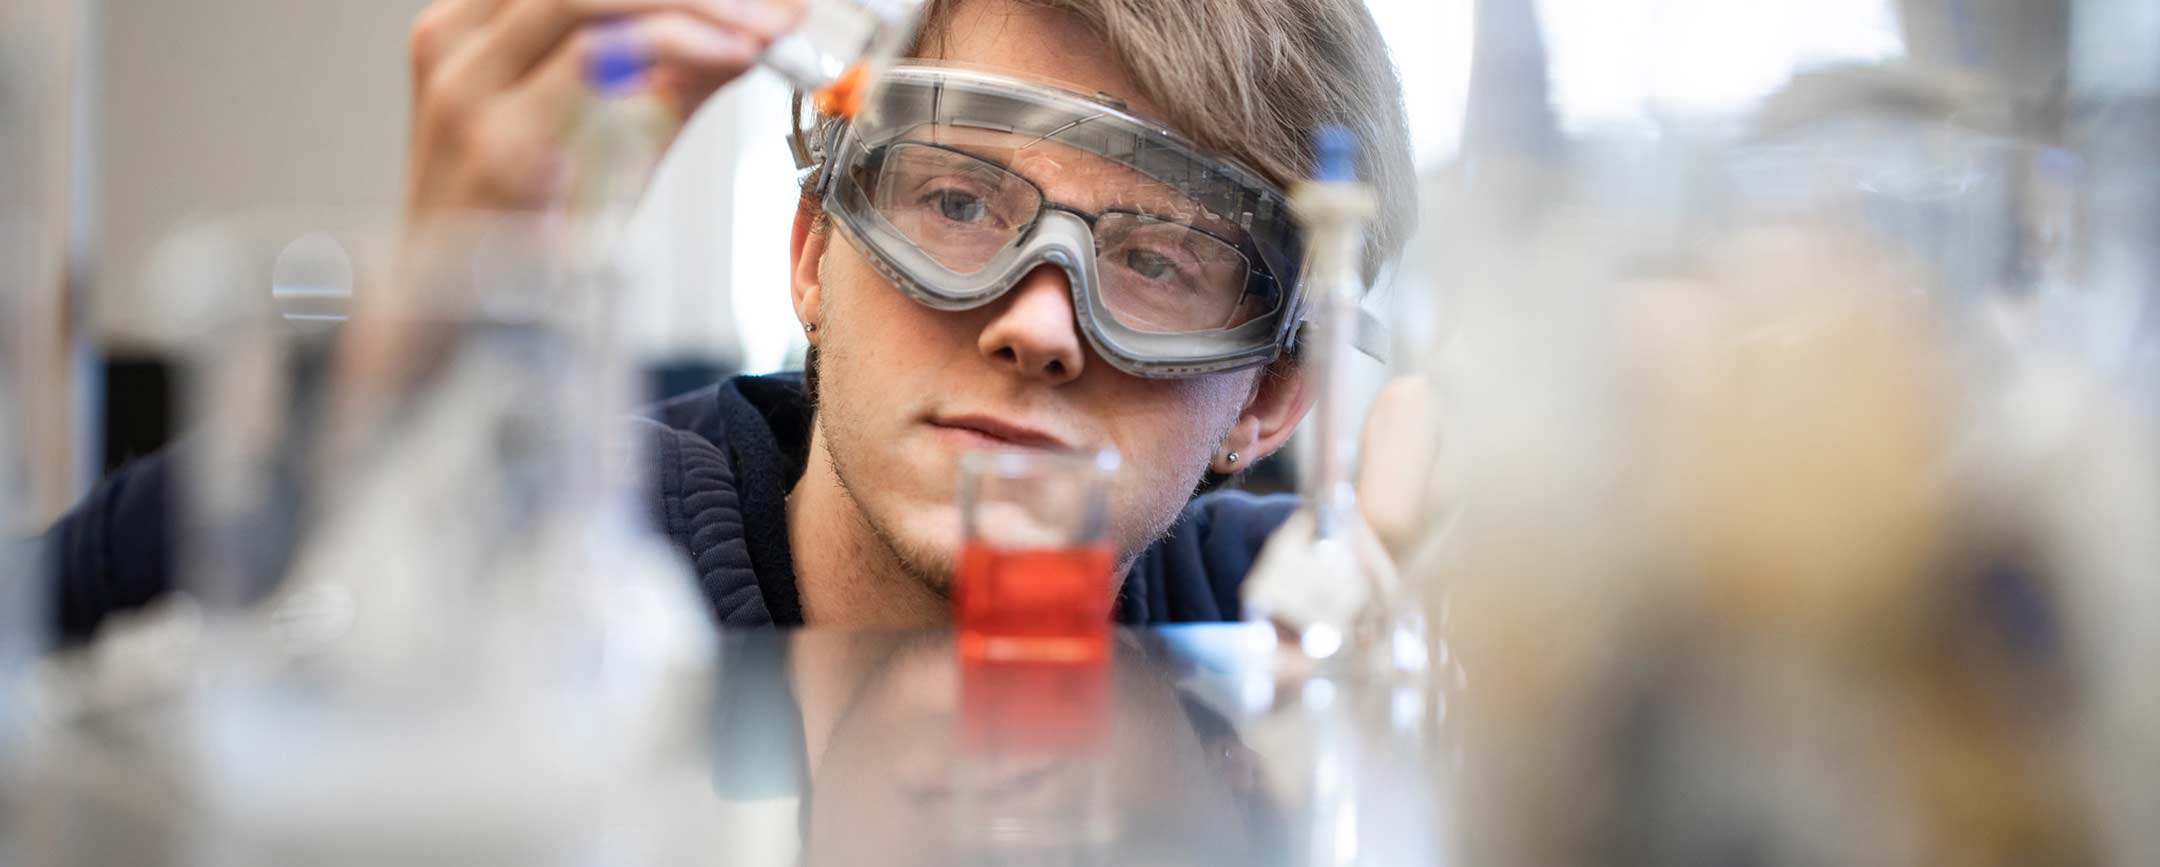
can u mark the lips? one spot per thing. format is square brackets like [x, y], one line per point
[1001, 431]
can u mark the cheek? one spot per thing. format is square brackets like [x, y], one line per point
[852, 295]
[1178, 420]
[877, 349]
[1168, 431]
[860, 349]
[869, 319]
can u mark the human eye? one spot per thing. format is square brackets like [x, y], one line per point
[1150, 264]
[1159, 253]
[966, 197]
[957, 205]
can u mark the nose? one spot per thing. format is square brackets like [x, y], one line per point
[1032, 332]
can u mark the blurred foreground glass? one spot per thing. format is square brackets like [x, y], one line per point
[22, 607]
[1034, 578]
[22, 600]
[838, 48]
[428, 595]
[1826, 425]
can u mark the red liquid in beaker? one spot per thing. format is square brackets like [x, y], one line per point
[1042, 604]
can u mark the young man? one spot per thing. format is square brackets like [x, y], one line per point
[1011, 249]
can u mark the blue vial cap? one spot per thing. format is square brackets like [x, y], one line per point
[617, 65]
[2056, 163]
[1334, 155]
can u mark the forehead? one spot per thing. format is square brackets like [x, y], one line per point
[1032, 42]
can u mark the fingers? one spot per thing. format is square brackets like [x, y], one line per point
[523, 33]
[440, 26]
[679, 48]
[514, 143]
[500, 82]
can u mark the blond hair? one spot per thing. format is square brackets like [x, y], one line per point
[1253, 79]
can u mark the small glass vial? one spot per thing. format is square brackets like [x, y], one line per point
[836, 51]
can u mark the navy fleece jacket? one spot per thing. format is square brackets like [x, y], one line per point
[723, 459]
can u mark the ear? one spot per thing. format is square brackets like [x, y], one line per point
[1281, 397]
[806, 247]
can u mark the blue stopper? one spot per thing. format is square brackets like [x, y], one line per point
[1334, 155]
[2056, 163]
[617, 65]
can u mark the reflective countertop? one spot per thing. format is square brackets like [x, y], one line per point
[1186, 745]
[1183, 747]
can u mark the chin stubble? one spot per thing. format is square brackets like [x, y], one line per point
[923, 567]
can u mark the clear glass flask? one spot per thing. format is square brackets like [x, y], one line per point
[427, 517]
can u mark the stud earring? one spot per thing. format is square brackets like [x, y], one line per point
[809, 327]
[1232, 457]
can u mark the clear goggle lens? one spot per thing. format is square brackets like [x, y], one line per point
[1156, 273]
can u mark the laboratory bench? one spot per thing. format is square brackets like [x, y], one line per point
[1180, 745]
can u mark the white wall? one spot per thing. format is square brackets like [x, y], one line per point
[217, 109]
[213, 108]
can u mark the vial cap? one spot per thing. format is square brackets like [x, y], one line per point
[1334, 155]
[618, 65]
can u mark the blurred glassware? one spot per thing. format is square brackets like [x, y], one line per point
[1935, 165]
[2101, 505]
[427, 514]
[22, 596]
[1354, 651]
[1323, 578]
[1758, 434]
[22, 624]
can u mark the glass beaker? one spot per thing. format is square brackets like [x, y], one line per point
[1034, 577]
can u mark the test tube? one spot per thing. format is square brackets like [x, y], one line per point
[1323, 578]
[1335, 209]
[838, 48]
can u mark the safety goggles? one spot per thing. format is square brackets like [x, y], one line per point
[957, 183]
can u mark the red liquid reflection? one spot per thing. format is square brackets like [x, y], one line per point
[1034, 708]
[1043, 605]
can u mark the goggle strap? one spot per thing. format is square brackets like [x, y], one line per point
[824, 153]
[1370, 337]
